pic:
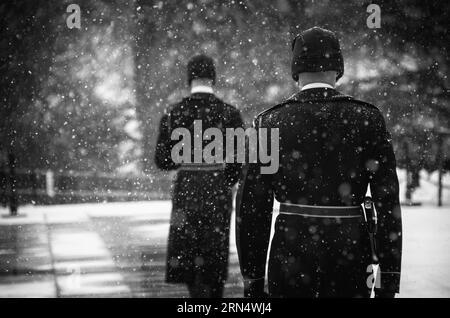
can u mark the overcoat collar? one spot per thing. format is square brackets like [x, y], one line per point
[202, 95]
[321, 94]
[313, 94]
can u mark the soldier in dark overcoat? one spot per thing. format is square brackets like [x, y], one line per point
[332, 147]
[198, 245]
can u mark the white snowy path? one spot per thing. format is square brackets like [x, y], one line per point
[426, 252]
[118, 250]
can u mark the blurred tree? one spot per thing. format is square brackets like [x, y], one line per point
[89, 93]
[68, 93]
[71, 98]
[26, 39]
[413, 87]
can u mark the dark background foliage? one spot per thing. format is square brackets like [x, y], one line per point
[90, 99]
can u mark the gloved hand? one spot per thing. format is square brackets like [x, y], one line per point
[254, 288]
[383, 293]
[379, 293]
[389, 283]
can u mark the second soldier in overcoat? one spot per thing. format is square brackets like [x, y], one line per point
[198, 246]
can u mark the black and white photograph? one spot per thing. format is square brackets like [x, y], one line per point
[236, 151]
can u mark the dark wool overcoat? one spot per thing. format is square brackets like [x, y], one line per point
[332, 148]
[198, 245]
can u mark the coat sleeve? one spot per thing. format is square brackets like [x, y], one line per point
[254, 204]
[163, 157]
[233, 170]
[385, 193]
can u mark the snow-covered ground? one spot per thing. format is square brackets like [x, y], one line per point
[427, 192]
[426, 257]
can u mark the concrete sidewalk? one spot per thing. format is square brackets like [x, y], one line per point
[90, 250]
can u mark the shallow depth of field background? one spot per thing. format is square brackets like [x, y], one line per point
[80, 108]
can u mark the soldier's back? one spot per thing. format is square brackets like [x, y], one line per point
[212, 112]
[324, 147]
[202, 197]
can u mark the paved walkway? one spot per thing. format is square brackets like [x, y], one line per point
[112, 250]
[118, 250]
